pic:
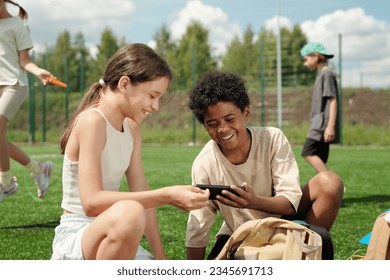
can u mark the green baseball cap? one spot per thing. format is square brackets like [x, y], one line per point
[315, 48]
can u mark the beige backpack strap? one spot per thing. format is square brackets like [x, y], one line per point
[314, 241]
[236, 239]
[302, 243]
[272, 238]
[379, 245]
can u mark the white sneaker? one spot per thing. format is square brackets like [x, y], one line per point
[42, 180]
[5, 192]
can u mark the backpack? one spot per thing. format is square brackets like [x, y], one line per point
[379, 244]
[272, 239]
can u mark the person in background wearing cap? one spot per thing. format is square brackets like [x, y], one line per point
[324, 128]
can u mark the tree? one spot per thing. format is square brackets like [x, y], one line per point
[193, 56]
[107, 47]
[57, 58]
[165, 46]
[81, 61]
[267, 41]
[232, 60]
[243, 57]
[298, 72]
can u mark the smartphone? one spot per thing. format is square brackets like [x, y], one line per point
[216, 190]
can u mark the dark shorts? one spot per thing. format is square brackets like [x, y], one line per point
[316, 148]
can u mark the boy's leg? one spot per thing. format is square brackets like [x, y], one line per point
[316, 163]
[316, 154]
[327, 243]
[221, 241]
[321, 199]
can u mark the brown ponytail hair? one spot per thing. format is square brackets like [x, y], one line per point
[22, 12]
[137, 61]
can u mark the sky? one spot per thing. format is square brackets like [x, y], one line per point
[362, 25]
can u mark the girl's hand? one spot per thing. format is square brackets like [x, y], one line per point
[26, 63]
[188, 197]
[43, 75]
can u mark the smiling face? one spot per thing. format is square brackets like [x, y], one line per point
[226, 125]
[142, 99]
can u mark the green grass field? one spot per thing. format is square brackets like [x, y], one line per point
[27, 223]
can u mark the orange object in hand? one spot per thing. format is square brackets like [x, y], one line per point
[54, 81]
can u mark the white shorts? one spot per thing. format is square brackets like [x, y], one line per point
[67, 239]
[11, 98]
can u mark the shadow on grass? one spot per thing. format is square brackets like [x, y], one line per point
[366, 199]
[49, 224]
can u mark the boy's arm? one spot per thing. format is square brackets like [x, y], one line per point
[249, 199]
[329, 134]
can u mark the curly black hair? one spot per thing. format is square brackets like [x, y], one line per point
[215, 87]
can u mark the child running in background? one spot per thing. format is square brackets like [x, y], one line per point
[101, 144]
[15, 43]
[324, 124]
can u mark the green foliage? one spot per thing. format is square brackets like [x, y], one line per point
[241, 56]
[193, 56]
[165, 47]
[107, 47]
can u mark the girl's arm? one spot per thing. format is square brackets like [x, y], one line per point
[152, 234]
[90, 134]
[26, 63]
[137, 182]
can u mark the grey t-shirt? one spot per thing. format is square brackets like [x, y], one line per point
[325, 88]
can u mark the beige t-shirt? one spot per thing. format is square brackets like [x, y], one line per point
[14, 37]
[271, 170]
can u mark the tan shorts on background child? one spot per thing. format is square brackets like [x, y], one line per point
[11, 98]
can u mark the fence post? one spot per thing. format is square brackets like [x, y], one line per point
[31, 107]
[43, 96]
[340, 101]
[82, 73]
[193, 72]
[279, 68]
[262, 82]
[67, 89]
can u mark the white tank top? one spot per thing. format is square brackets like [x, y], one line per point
[115, 161]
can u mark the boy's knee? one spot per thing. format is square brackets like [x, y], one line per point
[331, 183]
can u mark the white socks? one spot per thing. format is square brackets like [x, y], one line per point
[5, 178]
[34, 167]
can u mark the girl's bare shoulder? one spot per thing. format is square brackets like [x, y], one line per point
[90, 119]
